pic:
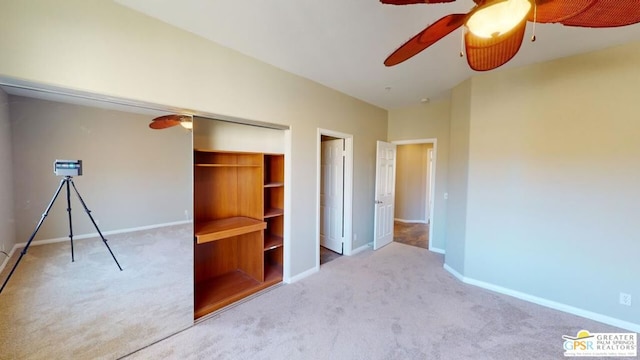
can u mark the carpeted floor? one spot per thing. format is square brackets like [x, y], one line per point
[394, 303]
[55, 309]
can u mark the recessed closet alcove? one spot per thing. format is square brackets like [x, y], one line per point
[238, 212]
[139, 185]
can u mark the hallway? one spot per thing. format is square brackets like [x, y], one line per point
[414, 234]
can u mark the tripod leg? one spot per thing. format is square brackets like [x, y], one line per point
[68, 179]
[26, 247]
[94, 223]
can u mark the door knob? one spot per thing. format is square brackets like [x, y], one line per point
[378, 202]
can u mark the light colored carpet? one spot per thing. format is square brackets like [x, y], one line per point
[395, 303]
[55, 309]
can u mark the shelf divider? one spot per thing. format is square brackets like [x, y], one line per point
[273, 212]
[212, 230]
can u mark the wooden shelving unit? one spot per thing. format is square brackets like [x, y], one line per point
[238, 226]
[272, 241]
[271, 212]
[273, 216]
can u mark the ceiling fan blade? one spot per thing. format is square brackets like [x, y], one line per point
[487, 54]
[426, 38]
[409, 2]
[553, 11]
[607, 13]
[166, 121]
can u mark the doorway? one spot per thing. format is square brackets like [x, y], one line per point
[415, 184]
[334, 189]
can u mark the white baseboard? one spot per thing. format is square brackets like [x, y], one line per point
[546, 302]
[411, 221]
[302, 275]
[88, 236]
[454, 272]
[360, 249]
[314, 270]
[6, 258]
[437, 250]
[105, 233]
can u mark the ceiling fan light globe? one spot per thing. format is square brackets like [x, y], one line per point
[498, 18]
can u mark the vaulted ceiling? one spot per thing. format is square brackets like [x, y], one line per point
[342, 44]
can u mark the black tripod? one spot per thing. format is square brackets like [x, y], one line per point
[67, 180]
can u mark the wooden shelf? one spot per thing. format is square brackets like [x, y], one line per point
[226, 152]
[239, 226]
[220, 291]
[212, 230]
[214, 158]
[272, 242]
[227, 165]
[273, 212]
[272, 275]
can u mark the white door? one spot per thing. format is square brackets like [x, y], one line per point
[385, 194]
[429, 184]
[332, 195]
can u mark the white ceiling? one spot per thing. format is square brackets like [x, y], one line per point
[342, 44]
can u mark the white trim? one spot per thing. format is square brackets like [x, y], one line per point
[411, 221]
[348, 196]
[56, 93]
[415, 141]
[430, 169]
[286, 266]
[546, 302]
[454, 272]
[348, 190]
[303, 275]
[360, 249]
[432, 179]
[6, 259]
[105, 233]
[437, 250]
[89, 236]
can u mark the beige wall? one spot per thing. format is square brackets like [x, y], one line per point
[553, 173]
[411, 182]
[428, 121]
[542, 174]
[7, 223]
[133, 176]
[220, 135]
[101, 47]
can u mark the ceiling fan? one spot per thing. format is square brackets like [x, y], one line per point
[495, 28]
[167, 121]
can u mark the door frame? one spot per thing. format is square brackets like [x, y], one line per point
[347, 193]
[432, 181]
[430, 168]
